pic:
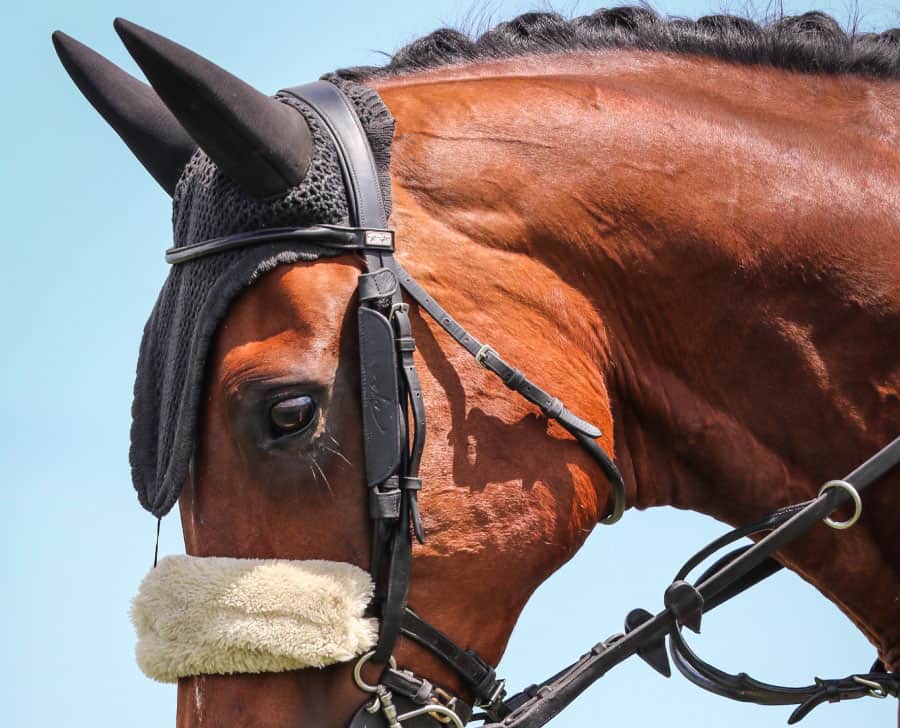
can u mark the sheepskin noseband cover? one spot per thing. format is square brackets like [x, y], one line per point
[208, 616]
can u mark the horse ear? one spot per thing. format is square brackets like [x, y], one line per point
[263, 145]
[130, 107]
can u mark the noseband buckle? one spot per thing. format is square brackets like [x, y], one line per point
[495, 700]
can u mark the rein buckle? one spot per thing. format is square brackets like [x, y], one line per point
[483, 352]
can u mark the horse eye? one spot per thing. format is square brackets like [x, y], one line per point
[292, 415]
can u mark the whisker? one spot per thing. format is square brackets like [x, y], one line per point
[315, 477]
[324, 477]
[338, 453]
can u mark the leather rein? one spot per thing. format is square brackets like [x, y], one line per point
[393, 417]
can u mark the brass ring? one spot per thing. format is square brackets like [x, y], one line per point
[857, 504]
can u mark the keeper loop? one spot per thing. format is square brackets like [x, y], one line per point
[410, 483]
[553, 409]
[514, 379]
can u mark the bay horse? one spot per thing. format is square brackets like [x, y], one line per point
[688, 229]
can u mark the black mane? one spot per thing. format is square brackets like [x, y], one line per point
[811, 43]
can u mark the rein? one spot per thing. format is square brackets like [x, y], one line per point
[685, 604]
[393, 417]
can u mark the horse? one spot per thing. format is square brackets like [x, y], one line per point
[686, 229]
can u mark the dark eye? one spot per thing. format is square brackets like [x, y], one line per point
[292, 415]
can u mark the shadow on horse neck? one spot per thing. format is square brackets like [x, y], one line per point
[700, 257]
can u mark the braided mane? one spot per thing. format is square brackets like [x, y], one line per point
[810, 43]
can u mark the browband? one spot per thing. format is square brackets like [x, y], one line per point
[334, 237]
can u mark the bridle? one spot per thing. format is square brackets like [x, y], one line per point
[393, 419]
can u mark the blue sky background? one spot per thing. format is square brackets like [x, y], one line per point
[84, 228]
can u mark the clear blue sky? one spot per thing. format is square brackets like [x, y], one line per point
[84, 228]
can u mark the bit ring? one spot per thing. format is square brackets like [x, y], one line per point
[357, 672]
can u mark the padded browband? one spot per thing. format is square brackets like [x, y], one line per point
[333, 237]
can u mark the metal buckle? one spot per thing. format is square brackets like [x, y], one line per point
[401, 307]
[483, 352]
[442, 698]
[498, 694]
[383, 701]
[876, 689]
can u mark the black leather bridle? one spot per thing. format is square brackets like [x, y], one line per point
[393, 417]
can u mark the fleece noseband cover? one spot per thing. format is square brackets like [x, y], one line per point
[214, 616]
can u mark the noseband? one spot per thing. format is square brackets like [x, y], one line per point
[393, 417]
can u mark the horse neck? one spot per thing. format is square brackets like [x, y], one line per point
[734, 229]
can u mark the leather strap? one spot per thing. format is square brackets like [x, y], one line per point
[378, 297]
[410, 482]
[378, 287]
[380, 395]
[478, 675]
[336, 237]
[492, 361]
[421, 692]
[537, 705]
[364, 199]
[397, 589]
[515, 379]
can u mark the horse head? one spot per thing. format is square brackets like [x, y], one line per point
[247, 404]
[300, 341]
